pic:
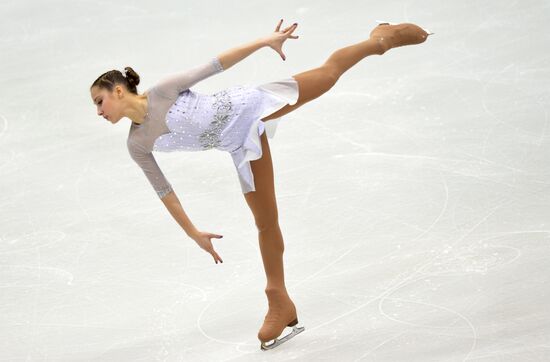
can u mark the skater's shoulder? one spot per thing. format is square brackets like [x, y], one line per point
[135, 142]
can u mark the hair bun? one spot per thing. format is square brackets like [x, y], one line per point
[112, 77]
[131, 76]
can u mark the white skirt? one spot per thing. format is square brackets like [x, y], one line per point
[271, 97]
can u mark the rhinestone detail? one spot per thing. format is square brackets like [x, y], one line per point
[210, 138]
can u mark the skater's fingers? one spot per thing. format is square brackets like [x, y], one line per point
[291, 28]
[293, 36]
[216, 257]
[279, 25]
[280, 51]
[287, 28]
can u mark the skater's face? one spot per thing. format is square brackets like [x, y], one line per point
[108, 103]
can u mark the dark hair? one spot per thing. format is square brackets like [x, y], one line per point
[108, 80]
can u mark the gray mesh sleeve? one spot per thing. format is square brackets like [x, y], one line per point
[150, 168]
[176, 83]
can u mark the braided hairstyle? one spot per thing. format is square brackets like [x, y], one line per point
[109, 79]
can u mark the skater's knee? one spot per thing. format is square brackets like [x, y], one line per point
[267, 224]
[332, 73]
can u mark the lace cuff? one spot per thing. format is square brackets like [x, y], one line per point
[165, 191]
[217, 64]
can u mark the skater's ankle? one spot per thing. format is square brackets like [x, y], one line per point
[276, 289]
[384, 44]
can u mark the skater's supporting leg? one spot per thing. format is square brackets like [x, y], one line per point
[263, 205]
[262, 202]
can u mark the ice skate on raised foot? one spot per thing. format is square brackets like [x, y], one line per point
[391, 35]
[281, 314]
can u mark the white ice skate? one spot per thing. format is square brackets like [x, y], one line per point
[386, 22]
[278, 341]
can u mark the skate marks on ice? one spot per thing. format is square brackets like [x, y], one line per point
[454, 260]
[6, 155]
[3, 125]
[15, 274]
[229, 316]
[30, 241]
[390, 254]
[480, 258]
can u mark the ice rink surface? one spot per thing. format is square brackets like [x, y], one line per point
[413, 197]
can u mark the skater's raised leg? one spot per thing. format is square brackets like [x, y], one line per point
[315, 82]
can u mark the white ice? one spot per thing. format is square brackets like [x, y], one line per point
[413, 197]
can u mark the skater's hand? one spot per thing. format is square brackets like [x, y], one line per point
[203, 240]
[276, 39]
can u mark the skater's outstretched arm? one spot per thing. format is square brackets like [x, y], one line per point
[172, 85]
[274, 40]
[151, 169]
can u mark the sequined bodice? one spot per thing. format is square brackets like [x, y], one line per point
[196, 122]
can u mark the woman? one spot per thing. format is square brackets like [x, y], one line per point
[169, 117]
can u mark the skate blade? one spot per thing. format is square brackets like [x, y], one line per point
[278, 341]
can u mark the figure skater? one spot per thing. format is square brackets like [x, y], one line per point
[171, 117]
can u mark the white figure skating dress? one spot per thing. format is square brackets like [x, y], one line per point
[179, 119]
